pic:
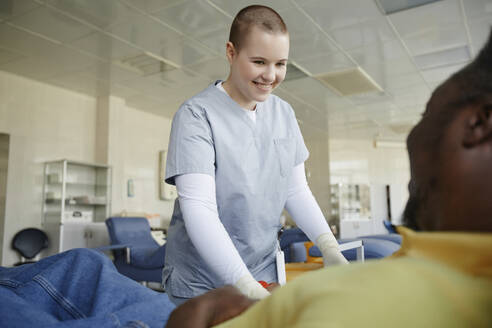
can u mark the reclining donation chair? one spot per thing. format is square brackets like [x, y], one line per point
[136, 254]
[29, 243]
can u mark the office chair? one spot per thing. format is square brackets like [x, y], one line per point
[136, 254]
[29, 243]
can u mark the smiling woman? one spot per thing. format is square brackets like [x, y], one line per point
[236, 156]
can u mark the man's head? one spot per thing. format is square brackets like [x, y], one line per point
[257, 51]
[450, 152]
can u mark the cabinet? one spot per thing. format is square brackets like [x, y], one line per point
[76, 201]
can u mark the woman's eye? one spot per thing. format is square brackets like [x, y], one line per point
[280, 64]
[259, 62]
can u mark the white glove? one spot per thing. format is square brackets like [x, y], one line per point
[251, 288]
[328, 246]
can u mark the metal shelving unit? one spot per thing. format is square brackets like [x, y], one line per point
[76, 197]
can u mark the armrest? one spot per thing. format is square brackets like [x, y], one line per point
[351, 245]
[115, 247]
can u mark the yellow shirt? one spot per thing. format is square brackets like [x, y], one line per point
[434, 280]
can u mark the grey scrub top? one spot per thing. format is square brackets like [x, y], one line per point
[251, 163]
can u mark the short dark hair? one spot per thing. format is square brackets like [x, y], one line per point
[260, 16]
[474, 80]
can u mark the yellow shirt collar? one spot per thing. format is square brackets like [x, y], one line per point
[467, 252]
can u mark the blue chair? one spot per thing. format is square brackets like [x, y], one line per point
[29, 243]
[375, 246]
[136, 254]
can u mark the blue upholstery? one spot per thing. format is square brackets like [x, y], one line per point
[394, 237]
[375, 246]
[146, 258]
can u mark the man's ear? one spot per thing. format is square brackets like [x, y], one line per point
[478, 124]
[230, 51]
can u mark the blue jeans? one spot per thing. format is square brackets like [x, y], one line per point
[77, 288]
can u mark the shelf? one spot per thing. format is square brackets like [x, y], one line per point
[73, 202]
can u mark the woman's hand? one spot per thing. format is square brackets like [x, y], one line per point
[210, 309]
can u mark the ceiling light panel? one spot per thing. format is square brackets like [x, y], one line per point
[326, 63]
[99, 13]
[334, 14]
[349, 82]
[12, 8]
[104, 46]
[194, 18]
[52, 24]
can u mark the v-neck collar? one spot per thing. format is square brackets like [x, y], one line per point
[241, 112]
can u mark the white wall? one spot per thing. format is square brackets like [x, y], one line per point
[358, 162]
[49, 123]
[44, 123]
[141, 136]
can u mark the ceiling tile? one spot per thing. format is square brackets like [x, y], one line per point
[436, 39]
[233, 7]
[414, 21]
[160, 40]
[52, 24]
[110, 72]
[95, 12]
[150, 6]
[7, 55]
[216, 68]
[194, 18]
[216, 40]
[441, 74]
[326, 63]
[335, 14]
[378, 52]
[306, 40]
[403, 81]
[105, 47]
[81, 83]
[477, 9]
[10, 9]
[364, 33]
[479, 31]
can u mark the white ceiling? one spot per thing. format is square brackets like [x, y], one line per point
[79, 45]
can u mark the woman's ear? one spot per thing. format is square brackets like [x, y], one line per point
[478, 124]
[231, 52]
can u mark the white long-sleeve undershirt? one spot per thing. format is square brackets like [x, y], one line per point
[208, 235]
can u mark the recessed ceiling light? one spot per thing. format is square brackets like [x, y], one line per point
[389, 7]
[350, 82]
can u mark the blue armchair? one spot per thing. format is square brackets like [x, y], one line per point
[376, 246]
[136, 254]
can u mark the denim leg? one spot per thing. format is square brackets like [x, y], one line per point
[177, 300]
[79, 284]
